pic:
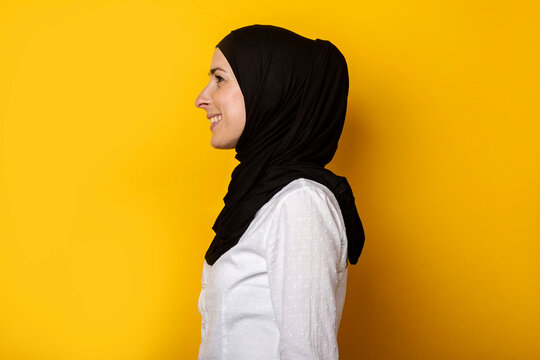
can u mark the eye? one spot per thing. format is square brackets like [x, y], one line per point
[219, 78]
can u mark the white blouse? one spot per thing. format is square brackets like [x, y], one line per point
[279, 293]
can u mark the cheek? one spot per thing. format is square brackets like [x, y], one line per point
[231, 103]
[223, 102]
[237, 103]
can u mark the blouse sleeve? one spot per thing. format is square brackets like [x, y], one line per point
[305, 264]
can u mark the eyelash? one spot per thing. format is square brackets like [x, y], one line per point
[219, 77]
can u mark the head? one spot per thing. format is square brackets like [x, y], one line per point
[282, 96]
[223, 102]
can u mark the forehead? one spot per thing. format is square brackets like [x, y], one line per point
[219, 60]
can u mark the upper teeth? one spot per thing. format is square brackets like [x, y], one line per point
[213, 119]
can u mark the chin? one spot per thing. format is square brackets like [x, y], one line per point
[219, 145]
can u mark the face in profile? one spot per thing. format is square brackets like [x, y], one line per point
[223, 102]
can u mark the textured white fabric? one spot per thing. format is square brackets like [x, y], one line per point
[279, 293]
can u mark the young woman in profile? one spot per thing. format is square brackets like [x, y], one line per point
[274, 276]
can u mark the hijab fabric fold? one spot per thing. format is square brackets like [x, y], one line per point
[295, 92]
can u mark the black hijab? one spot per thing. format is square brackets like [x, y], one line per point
[295, 93]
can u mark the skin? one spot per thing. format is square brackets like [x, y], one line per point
[223, 96]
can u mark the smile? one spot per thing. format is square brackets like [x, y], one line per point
[216, 118]
[215, 123]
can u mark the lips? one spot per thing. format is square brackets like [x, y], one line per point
[214, 124]
[215, 118]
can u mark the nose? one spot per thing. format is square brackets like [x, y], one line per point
[203, 99]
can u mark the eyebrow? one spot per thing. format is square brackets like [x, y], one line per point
[212, 71]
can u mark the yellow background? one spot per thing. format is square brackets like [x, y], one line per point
[109, 185]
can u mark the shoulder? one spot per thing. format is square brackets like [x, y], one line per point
[303, 189]
[305, 217]
[307, 198]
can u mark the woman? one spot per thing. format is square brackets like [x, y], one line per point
[275, 274]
